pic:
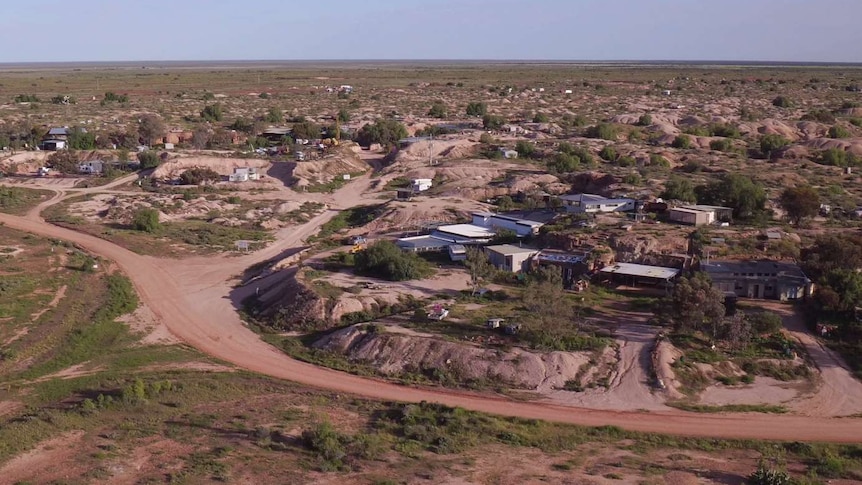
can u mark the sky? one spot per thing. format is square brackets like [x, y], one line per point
[154, 30]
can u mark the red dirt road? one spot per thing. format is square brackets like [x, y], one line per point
[192, 300]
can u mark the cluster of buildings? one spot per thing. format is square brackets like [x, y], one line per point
[693, 215]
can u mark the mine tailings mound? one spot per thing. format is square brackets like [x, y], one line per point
[394, 354]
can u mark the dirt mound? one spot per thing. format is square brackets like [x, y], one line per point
[394, 354]
[810, 129]
[593, 183]
[289, 304]
[172, 169]
[852, 145]
[663, 356]
[404, 216]
[771, 127]
[437, 148]
[24, 162]
[326, 169]
[626, 119]
[691, 121]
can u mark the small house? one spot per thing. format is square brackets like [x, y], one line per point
[91, 168]
[494, 323]
[244, 174]
[53, 145]
[688, 216]
[421, 185]
[510, 258]
[591, 203]
[764, 279]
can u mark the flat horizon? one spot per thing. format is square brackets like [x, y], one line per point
[198, 63]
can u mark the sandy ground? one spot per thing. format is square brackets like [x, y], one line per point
[192, 298]
[41, 460]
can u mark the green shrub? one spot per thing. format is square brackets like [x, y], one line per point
[722, 145]
[605, 131]
[782, 102]
[645, 120]
[146, 220]
[681, 141]
[477, 109]
[771, 143]
[385, 260]
[838, 131]
[608, 153]
[212, 112]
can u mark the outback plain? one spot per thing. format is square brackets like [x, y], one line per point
[399, 272]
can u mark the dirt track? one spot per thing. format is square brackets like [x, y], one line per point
[192, 298]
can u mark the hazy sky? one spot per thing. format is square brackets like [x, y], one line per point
[117, 30]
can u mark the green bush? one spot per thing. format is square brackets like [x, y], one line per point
[146, 220]
[541, 118]
[199, 175]
[212, 112]
[722, 145]
[609, 153]
[477, 109]
[438, 110]
[493, 122]
[385, 260]
[771, 143]
[605, 131]
[838, 131]
[782, 102]
[386, 132]
[681, 141]
[148, 159]
[645, 120]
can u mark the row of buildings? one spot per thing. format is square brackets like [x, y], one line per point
[694, 215]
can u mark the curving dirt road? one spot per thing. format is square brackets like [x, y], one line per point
[192, 298]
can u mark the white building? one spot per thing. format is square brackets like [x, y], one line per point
[244, 174]
[521, 227]
[590, 204]
[421, 185]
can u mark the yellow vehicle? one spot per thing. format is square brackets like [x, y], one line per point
[357, 248]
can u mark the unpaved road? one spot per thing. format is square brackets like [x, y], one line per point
[192, 298]
[840, 394]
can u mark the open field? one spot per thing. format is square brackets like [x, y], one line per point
[144, 291]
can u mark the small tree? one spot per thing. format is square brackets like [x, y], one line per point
[493, 122]
[608, 153]
[721, 145]
[645, 120]
[477, 109]
[273, 115]
[438, 110]
[343, 115]
[525, 149]
[541, 118]
[800, 203]
[677, 188]
[212, 112]
[386, 132]
[605, 131]
[771, 143]
[79, 139]
[146, 220]
[681, 141]
[150, 127]
[199, 175]
[479, 267]
[839, 131]
[306, 130]
[694, 305]
[782, 102]
[148, 159]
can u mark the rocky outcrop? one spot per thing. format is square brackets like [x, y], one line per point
[397, 353]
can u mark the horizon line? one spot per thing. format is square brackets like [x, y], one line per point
[723, 62]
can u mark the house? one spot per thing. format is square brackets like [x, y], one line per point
[691, 217]
[699, 215]
[61, 133]
[761, 279]
[424, 244]
[91, 167]
[52, 145]
[244, 174]
[421, 185]
[403, 194]
[632, 274]
[591, 203]
[521, 227]
[458, 252]
[464, 234]
[572, 265]
[510, 258]
[494, 323]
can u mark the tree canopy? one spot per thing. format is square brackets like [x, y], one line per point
[800, 203]
[438, 110]
[385, 260]
[477, 109]
[150, 127]
[745, 196]
[694, 305]
[384, 131]
[212, 112]
[677, 188]
[771, 143]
